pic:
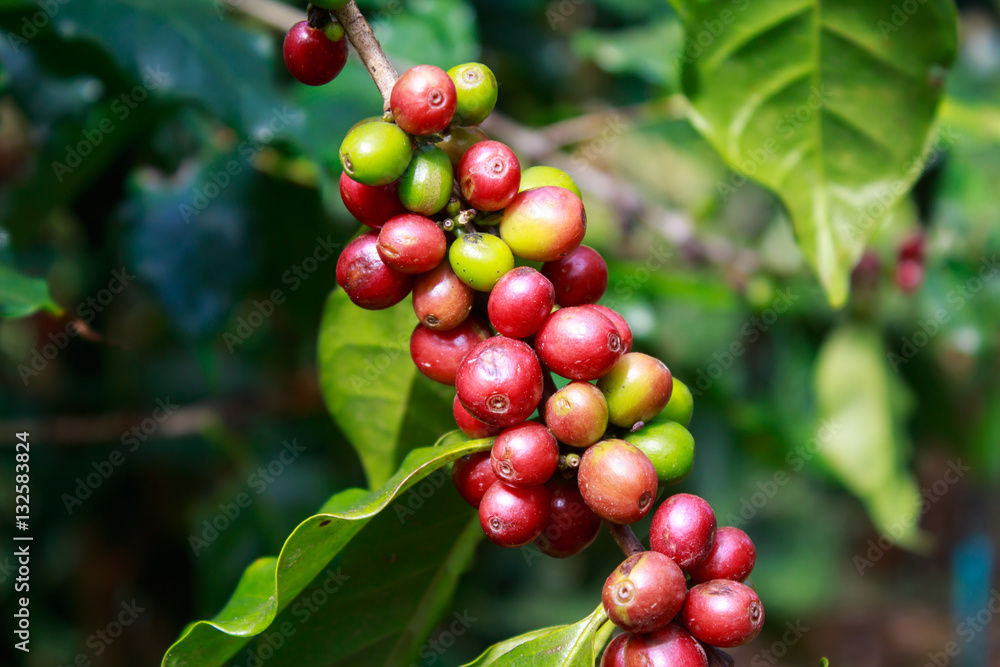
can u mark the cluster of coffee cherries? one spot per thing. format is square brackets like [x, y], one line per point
[315, 50]
[667, 623]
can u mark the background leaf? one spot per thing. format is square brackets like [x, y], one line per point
[22, 295]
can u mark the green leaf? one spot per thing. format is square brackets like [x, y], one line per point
[829, 104]
[646, 51]
[861, 438]
[270, 585]
[379, 399]
[22, 295]
[564, 646]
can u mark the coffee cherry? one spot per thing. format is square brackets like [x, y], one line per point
[683, 529]
[458, 140]
[538, 177]
[614, 652]
[477, 92]
[473, 476]
[437, 354]
[425, 187]
[423, 100]
[488, 175]
[578, 343]
[411, 243]
[617, 481]
[624, 331]
[544, 224]
[500, 381]
[525, 455]
[578, 278]
[480, 260]
[572, 526]
[669, 446]
[471, 426]
[637, 389]
[732, 557]
[680, 407]
[311, 56]
[912, 248]
[513, 516]
[644, 593]
[440, 299]
[367, 280]
[375, 153]
[909, 275]
[577, 414]
[372, 205]
[520, 302]
[723, 613]
[673, 646]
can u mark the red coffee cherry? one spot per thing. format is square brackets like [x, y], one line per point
[683, 529]
[520, 302]
[673, 646]
[578, 343]
[367, 280]
[577, 414]
[489, 175]
[614, 652]
[578, 278]
[909, 275]
[500, 381]
[440, 299]
[423, 100]
[572, 526]
[644, 593]
[732, 557]
[525, 455]
[311, 56]
[513, 516]
[473, 476]
[372, 205]
[624, 331]
[471, 426]
[912, 247]
[723, 613]
[617, 480]
[437, 354]
[411, 243]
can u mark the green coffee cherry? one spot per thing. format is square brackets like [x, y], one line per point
[477, 92]
[637, 389]
[425, 186]
[375, 153]
[480, 260]
[537, 177]
[680, 407]
[669, 446]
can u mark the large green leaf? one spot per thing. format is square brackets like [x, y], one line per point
[384, 405]
[22, 295]
[564, 646]
[831, 104]
[270, 585]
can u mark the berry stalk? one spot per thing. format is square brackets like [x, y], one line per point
[367, 45]
[625, 538]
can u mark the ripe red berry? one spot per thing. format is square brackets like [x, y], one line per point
[673, 646]
[723, 613]
[311, 56]
[644, 593]
[367, 280]
[614, 652]
[489, 175]
[440, 299]
[624, 331]
[372, 205]
[683, 529]
[512, 516]
[912, 247]
[525, 455]
[544, 224]
[617, 480]
[423, 100]
[471, 426]
[411, 243]
[520, 302]
[577, 414]
[578, 343]
[437, 354]
[500, 381]
[473, 476]
[909, 275]
[732, 557]
[578, 278]
[572, 526]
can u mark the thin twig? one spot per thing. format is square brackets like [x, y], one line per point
[626, 539]
[366, 44]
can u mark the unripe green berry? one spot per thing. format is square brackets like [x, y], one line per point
[334, 31]
[669, 446]
[480, 260]
[477, 92]
[538, 177]
[425, 186]
[680, 407]
[375, 153]
[637, 389]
